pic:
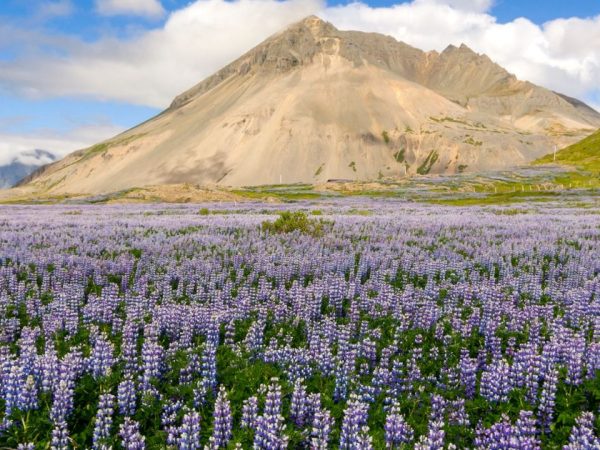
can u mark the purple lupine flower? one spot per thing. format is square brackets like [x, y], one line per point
[270, 427]
[104, 420]
[355, 417]
[189, 432]
[321, 429]
[168, 418]
[230, 333]
[457, 413]
[547, 398]
[13, 389]
[397, 431]
[583, 435]
[26, 446]
[60, 436]
[48, 368]
[222, 420]
[129, 351]
[63, 402]
[468, 373]
[126, 397]
[526, 431]
[249, 412]
[574, 361]
[200, 392]
[364, 441]
[298, 407]
[29, 395]
[438, 408]
[129, 432]
[208, 369]
[495, 382]
[152, 358]
[434, 439]
[503, 435]
[101, 360]
[255, 336]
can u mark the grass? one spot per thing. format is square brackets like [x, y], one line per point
[584, 155]
[101, 148]
[497, 199]
[280, 195]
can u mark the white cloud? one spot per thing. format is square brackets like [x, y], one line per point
[55, 8]
[15, 146]
[149, 8]
[154, 66]
[464, 5]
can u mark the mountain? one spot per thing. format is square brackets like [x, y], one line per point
[22, 166]
[314, 103]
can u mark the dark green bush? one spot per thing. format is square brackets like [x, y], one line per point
[290, 221]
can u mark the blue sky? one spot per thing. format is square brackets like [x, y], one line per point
[76, 71]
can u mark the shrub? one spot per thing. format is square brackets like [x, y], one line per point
[386, 137]
[204, 212]
[290, 221]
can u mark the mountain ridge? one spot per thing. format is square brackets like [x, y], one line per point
[312, 103]
[16, 170]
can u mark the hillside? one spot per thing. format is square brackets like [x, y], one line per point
[583, 155]
[314, 103]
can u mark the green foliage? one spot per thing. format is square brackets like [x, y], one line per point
[136, 253]
[469, 140]
[497, 199]
[399, 155]
[296, 221]
[462, 168]
[319, 170]
[204, 212]
[352, 165]
[584, 154]
[431, 159]
[386, 137]
[448, 119]
[104, 146]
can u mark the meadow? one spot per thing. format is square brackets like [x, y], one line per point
[354, 325]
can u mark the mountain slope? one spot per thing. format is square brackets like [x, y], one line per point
[583, 155]
[313, 103]
[24, 165]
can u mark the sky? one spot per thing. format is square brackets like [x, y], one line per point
[75, 72]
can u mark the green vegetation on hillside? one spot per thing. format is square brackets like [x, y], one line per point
[425, 168]
[100, 148]
[399, 155]
[584, 155]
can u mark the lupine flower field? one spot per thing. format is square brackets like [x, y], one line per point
[396, 326]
